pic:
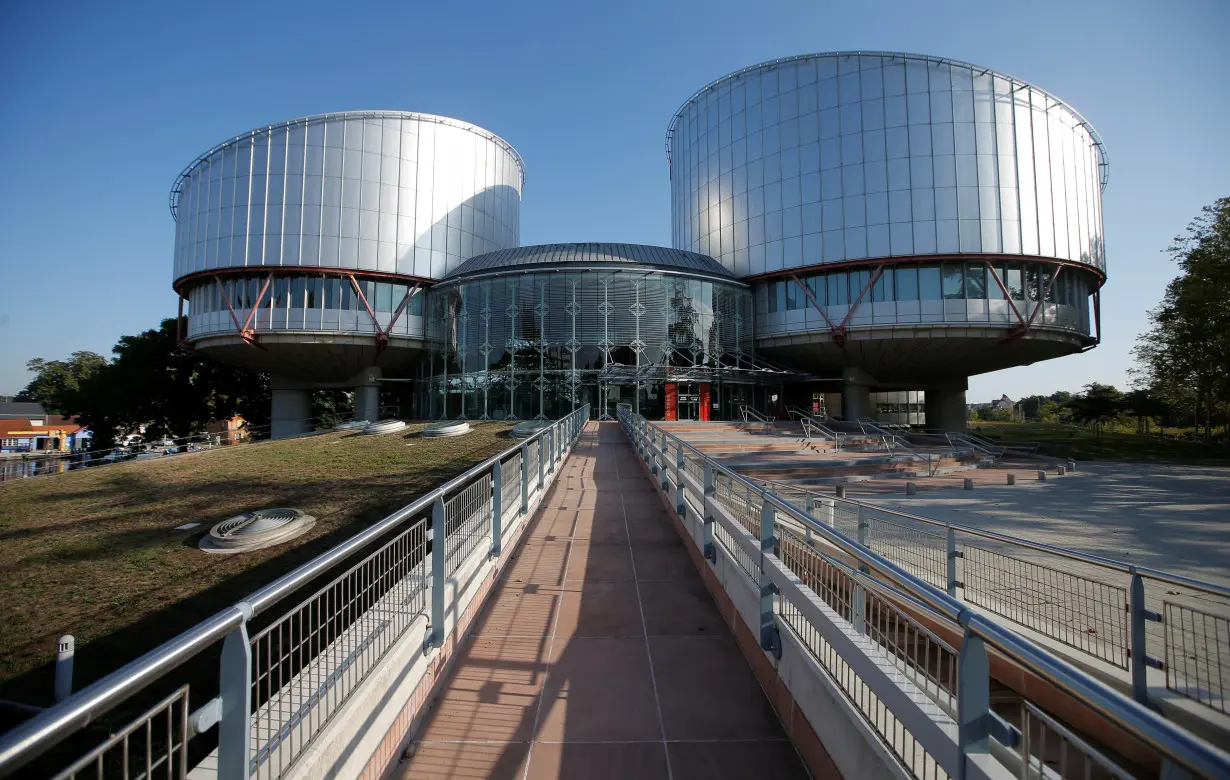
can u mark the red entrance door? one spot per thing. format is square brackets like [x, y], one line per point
[704, 402]
[672, 401]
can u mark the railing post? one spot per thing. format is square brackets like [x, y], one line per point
[680, 490]
[859, 597]
[768, 630]
[953, 555]
[542, 456]
[525, 478]
[235, 690]
[437, 572]
[811, 512]
[1139, 640]
[551, 450]
[664, 459]
[497, 507]
[973, 701]
[707, 515]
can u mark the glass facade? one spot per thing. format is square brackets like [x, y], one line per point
[539, 343]
[928, 293]
[899, 407]
[838, 157]
[304, 302]
[383, 191]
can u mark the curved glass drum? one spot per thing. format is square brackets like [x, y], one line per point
[519, 340]
[873, 196]
[833, 157]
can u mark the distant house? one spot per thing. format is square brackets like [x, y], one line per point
[26, 427]
[229, 430]
[1004, 404]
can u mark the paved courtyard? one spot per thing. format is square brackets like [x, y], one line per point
[1172, 517]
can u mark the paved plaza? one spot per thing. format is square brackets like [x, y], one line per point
[1171, 517]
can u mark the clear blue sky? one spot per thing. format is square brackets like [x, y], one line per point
[102, 104]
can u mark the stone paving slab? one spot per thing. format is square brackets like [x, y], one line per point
[602, 654]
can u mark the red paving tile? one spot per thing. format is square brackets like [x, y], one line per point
[601, 654]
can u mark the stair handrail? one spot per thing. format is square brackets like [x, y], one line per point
[811, 424]
[893, 442]
[750, 413]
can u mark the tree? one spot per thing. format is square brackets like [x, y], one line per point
[1185, 356]
[1098, 404]
[156, 383]
[1145, 404]
[55, 379]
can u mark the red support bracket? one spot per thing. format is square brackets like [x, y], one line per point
[381, 338]
[227, 300]
[249, 333]
[1022, 329]
[812, 299]
[875, 277]
[1007, 295]
[1097, 314]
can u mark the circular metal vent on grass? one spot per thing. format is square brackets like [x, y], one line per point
[524, 430]
[352, 425]
[256, 530]
[383, 426]
[446, 428]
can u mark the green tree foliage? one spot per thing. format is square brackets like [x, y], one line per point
[54, 380]
[1184, 358]
[155, 382]
[1097, 405]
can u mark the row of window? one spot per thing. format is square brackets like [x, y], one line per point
[302, 292]
[949, 281]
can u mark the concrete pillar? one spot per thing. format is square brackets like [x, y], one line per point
[290, 411]
[945, 407]
[367, 395]
[855, 396]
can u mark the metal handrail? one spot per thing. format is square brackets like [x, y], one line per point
[39, 734]
[811, 422]
[892, 440]
[1142, 723]
[749, 412]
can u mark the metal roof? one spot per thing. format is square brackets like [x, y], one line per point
[591, 255]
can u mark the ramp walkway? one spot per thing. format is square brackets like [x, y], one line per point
[601, 654]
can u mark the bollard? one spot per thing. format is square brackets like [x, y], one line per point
[64, 666]
[1012, 479]
[841, 491]
[1042, 476]
[911, 489]
[969, 484]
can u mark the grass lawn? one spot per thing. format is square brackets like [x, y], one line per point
[93, 553]
[1070, 441]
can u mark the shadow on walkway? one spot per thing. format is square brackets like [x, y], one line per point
[601, 654]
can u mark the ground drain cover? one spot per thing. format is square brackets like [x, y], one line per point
[446, 428]
[383, 426]
[256, 530]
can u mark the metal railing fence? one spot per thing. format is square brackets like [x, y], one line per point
[281, 685]
[1124, 615]
[789, 598]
